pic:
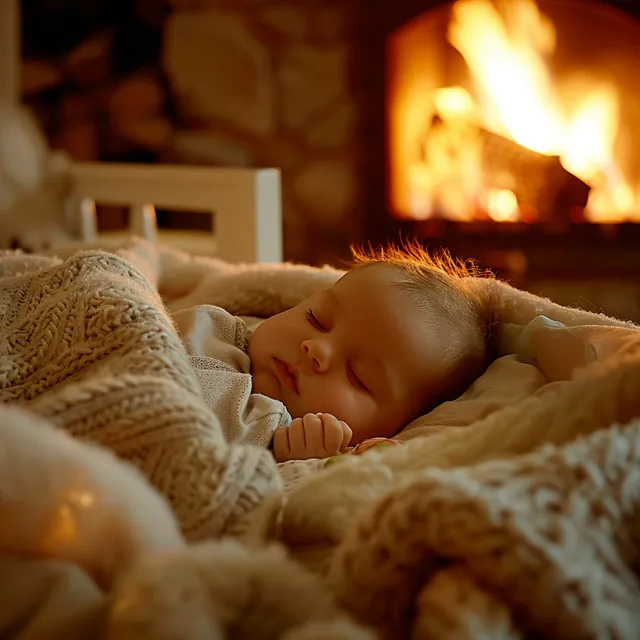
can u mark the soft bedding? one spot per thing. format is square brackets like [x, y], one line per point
[511, 512]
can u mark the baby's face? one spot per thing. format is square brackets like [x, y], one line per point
[358, 350]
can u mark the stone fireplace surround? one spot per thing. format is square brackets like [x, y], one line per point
[218, 82]
[613, 246]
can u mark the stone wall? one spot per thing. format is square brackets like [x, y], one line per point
[219, 82]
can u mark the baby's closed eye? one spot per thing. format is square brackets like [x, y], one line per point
[355, 379]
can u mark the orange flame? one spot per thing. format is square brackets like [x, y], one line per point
[506, 45]
[517, 95]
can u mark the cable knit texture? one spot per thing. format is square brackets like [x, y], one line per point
[87, 344]
[552, 537]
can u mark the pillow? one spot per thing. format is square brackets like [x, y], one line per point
[506, 381]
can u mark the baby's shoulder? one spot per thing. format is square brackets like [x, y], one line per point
[207, 322]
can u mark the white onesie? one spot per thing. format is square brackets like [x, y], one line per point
[216, 342]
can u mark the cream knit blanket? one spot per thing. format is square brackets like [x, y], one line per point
[86, 343]
[525, 524]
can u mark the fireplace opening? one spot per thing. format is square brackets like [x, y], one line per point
[523, 155]
[514, 111]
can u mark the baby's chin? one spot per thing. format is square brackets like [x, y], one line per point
[266, 384]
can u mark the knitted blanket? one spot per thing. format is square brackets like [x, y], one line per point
[86, 344]
[525, 523]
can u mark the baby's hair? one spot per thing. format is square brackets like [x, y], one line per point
[448, 291]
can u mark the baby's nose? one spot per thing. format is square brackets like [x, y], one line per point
[318, 353]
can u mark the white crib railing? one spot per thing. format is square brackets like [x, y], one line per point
[245, 203]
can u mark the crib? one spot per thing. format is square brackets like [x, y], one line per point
[245, 203]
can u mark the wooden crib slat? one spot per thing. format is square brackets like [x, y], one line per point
[87, 221]
[142, 221]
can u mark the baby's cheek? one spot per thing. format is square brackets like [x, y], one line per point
[361, 414]
[331, 396]
[266, 384]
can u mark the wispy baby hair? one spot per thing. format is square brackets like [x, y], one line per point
[452, 293]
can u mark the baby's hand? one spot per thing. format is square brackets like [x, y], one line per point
[315, 435]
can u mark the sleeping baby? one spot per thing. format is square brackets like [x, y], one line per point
[399, 333]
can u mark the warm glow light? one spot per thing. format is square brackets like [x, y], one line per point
[502, 205]
[62, 530]
[454, 102]
[591, 134]
[508, 67]
[589, 145]
[507, 47]
[81, 498]
[421, 190]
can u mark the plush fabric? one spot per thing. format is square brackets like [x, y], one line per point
[523, 522]
[86, 344]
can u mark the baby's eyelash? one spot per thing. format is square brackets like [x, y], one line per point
[313, 320]
[353, 378]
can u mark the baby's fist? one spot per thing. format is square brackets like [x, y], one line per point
[315, 435]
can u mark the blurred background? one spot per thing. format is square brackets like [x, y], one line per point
[504, 131]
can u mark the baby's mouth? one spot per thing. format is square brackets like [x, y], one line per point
[288, 375]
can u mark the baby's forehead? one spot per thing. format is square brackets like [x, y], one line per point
[381, 283]
[388, 296]
[376, 294]
[371, 276]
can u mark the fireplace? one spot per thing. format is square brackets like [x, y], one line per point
[505, 130]
[310, 87]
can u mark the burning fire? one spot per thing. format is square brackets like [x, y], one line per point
[507, 46]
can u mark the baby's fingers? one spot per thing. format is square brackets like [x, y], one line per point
[313, 435]
[281, 444]
[333, 434]
[298, 438]
[347, 434]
